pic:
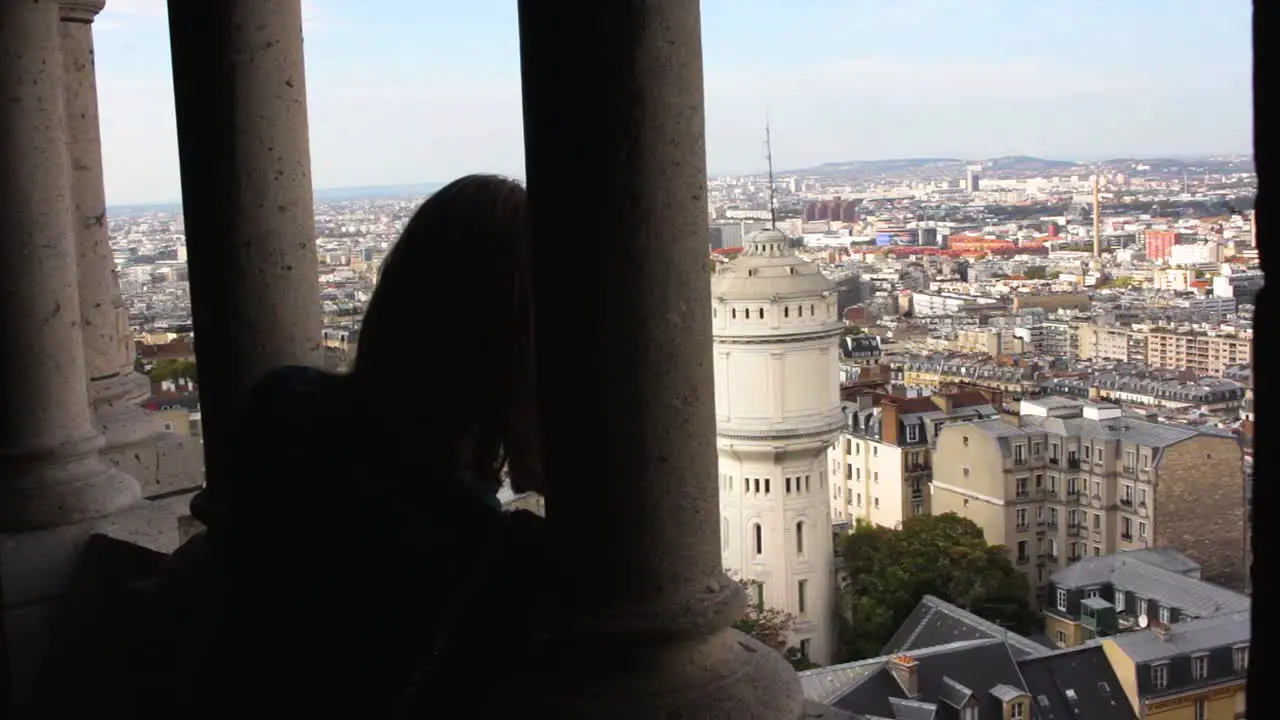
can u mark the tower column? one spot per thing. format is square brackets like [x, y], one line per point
[50, 470]
[241, 105]
[624, 341]
[55, 488]
[135, 443]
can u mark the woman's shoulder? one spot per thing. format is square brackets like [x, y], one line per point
[290, 381]
[276, 433]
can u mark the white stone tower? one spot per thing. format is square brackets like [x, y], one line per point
[776, 327]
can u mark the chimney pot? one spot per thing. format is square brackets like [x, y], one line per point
[904, 669]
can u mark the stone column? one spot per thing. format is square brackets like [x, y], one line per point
[135, 442]
[630, 440]
[50, 470]
[55, 488]
[239, 91]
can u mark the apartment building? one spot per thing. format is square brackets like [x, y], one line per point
[1067, 479]
[1052, 301]
[990, 341]
[1209, 394]
[946, 303]
[1196, 669]
[1061, 338]
[934, 373]
[1112, 342]
[1204, 353]
[881, 464]
[1128, 592]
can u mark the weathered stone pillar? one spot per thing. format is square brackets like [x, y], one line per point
[50, 471]
[135, 442]
[630, 438]
[240, 97]
[55, 488]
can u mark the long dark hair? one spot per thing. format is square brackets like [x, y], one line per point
[448, 333]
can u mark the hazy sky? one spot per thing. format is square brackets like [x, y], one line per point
[409, 91]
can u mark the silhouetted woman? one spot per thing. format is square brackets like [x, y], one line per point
[361, 547]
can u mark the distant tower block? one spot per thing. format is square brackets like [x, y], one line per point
[1097, 217]
[973, 178]
[776, 332]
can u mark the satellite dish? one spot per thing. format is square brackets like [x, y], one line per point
[1143, 621]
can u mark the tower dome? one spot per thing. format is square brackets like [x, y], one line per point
[768, 267]
[776, 330]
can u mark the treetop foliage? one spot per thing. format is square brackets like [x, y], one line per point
[947, 556]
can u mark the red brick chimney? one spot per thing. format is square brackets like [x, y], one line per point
[889, 412]
[904, 669]
[996, 398]
[944, 400]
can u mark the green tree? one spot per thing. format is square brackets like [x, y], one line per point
[173, 369]
[771, 626]
[1036, 272]
[942, 555]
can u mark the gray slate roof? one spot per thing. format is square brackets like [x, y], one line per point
[937, 622]
[1128, 429]
[1134, 573]
[1187, 637]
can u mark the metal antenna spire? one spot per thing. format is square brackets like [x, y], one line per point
[768, 154]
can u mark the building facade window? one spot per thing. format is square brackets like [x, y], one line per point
[802, 596]
[800, 538]
[1119, 601]
[757, 532]
[1159, 676]
[1240, 658]
[1199, 667]
[1062, 600]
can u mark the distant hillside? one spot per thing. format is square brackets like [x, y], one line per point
[1025, 163]
[869, 168]
[1214, 165]
[376, 192]
[373, 192]
[1013, 166]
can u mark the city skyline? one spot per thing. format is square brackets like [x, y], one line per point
[937, 78]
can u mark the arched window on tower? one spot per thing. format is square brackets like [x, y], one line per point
[811, 313]
[761, 313]
[758, 531]
[786, 311]
[800, 537]
[733, 314]
[800, 311]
